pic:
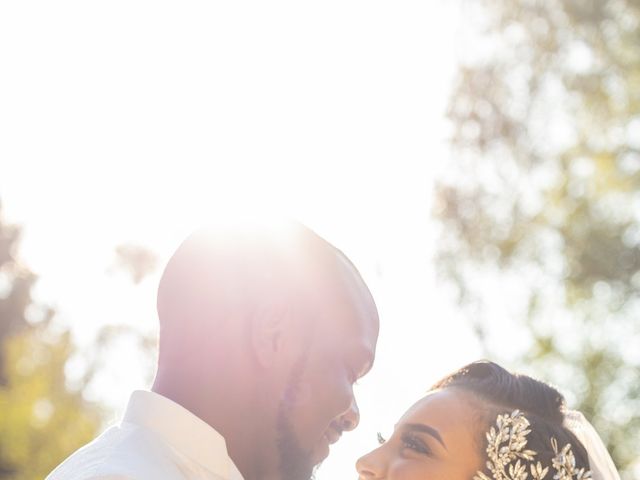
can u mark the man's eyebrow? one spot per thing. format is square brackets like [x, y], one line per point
[360, 355]
[420, 427]
[366, 368]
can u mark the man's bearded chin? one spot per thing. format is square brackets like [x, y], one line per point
[295, 462]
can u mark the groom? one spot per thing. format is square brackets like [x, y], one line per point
[263, 332]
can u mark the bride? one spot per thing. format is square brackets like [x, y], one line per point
[485, 423]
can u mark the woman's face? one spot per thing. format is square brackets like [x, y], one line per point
[433, 440]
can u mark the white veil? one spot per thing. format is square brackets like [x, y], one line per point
[602, 467]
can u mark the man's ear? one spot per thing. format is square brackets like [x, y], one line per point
[269, 327]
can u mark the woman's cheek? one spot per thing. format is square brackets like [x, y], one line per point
[407, 469]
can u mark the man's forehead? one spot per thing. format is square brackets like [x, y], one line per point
[352, 313]
[353, 329]
[357, 290]
[340, 300]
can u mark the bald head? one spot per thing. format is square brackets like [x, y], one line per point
[225, 274]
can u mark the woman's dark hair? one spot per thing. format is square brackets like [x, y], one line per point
[495, 391]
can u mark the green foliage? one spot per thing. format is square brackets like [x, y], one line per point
[41, 420]
[544, 194]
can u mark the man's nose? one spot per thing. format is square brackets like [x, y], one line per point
[350, 419]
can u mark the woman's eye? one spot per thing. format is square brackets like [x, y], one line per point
[381, 439]
[415, 444]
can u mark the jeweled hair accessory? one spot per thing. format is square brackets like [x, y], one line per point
[508, 457]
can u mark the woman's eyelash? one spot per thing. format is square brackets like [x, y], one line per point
[415, 444]
[381, 439]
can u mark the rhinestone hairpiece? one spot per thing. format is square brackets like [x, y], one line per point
[508, 457]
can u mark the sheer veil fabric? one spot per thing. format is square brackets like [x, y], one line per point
[602, 466]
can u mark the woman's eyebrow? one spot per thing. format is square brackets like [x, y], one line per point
[422, 428]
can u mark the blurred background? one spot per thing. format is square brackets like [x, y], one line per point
[479, 161]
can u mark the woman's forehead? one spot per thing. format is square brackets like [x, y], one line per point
[448, 409]
[450, 413]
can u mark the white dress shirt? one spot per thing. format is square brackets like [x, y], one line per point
[156, 440]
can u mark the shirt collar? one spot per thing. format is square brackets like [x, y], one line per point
[183, 430]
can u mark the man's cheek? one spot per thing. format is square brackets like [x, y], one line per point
[304, 395]
[340, 401]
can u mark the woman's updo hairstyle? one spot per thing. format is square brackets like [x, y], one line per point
[495, 391]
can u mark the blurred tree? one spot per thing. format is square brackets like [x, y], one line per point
[139, 262]
[15, 290]
[544, 196]
[42, 420]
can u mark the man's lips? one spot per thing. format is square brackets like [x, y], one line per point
[332, 435]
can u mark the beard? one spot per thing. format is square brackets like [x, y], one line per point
[295, 462]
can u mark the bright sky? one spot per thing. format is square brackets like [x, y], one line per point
[137, 121]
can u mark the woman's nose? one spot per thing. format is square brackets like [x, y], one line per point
[371, 466]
